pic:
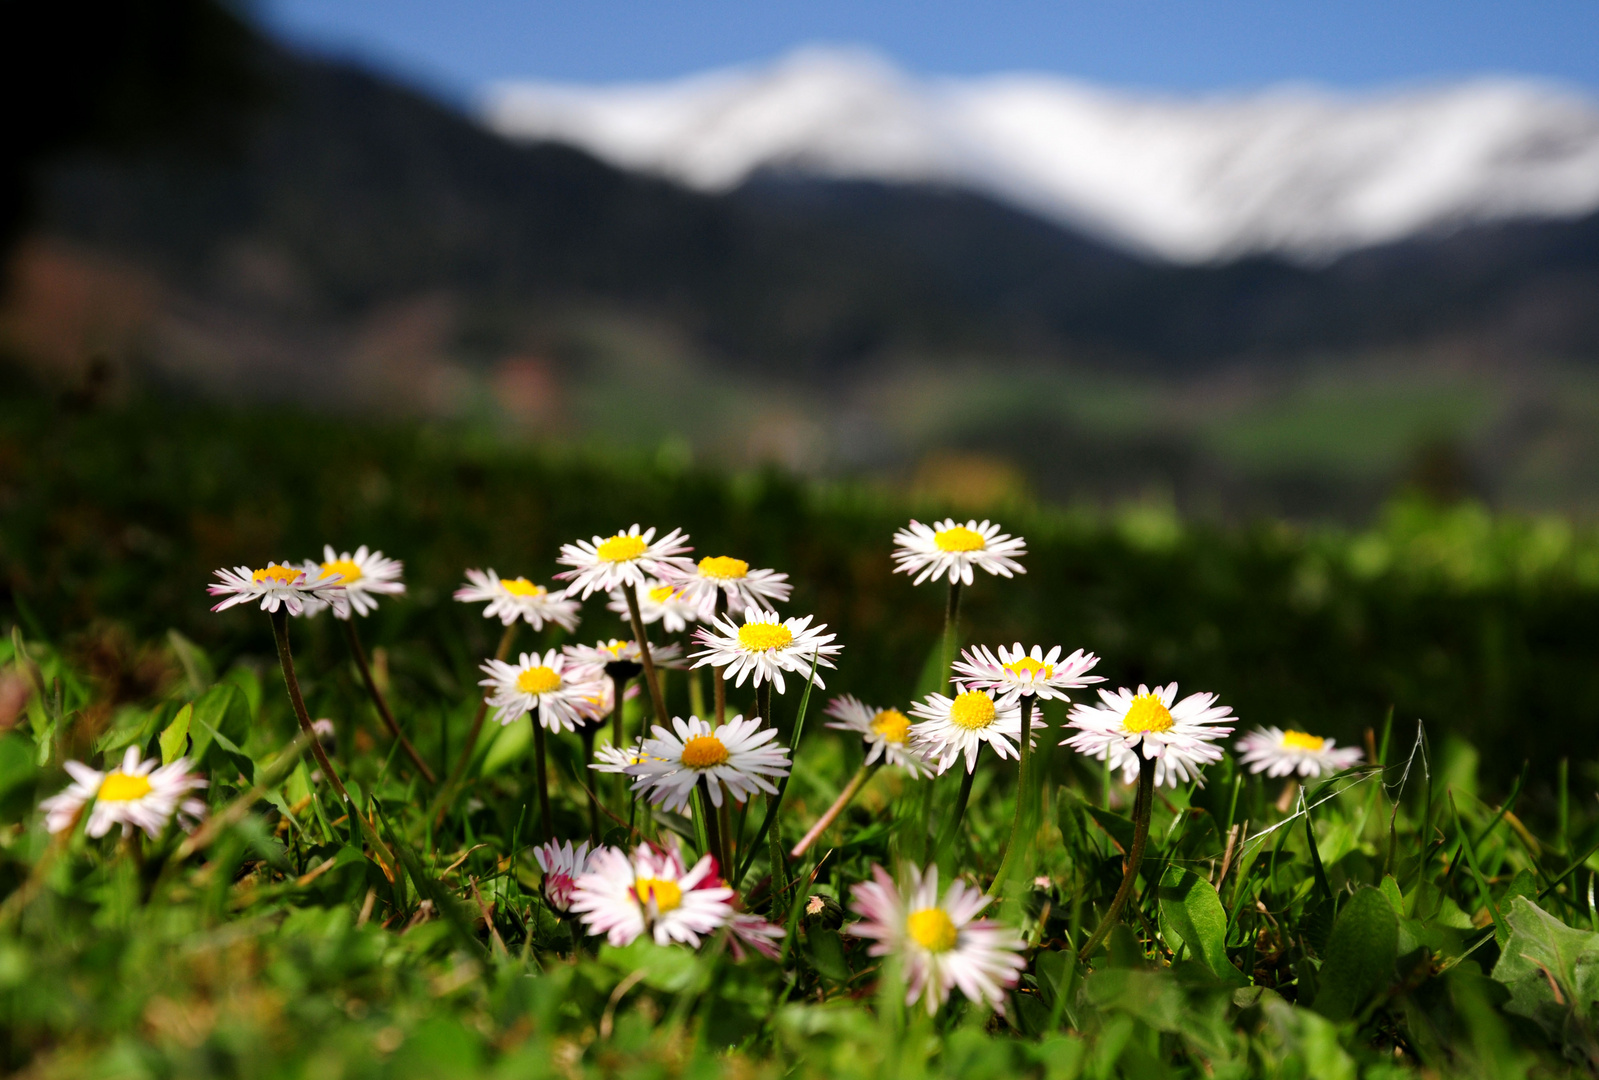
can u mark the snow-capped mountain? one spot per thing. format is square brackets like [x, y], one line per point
[1301, 172]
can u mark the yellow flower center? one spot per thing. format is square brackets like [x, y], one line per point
[703, 752]
[666, 894]
[614, 647]
[662, 593]
[932, 929]
[723, 567]
[972, 710]
[345, 568]
[1028, 666]
[621, 548]
[960, 538]
[538, 680]
[1299, 740]
[761, 636]
[521, 587]
[892, 725]
[1147, 713]
[120, 787]
[286, 575]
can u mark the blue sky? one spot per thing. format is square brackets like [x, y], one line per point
[1158, 44]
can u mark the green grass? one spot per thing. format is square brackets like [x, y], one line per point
[1433, 914]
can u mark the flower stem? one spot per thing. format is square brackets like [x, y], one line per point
[713, 832]
[952, 614]
[587, 735]
[446, 793]
[850, 791]
[353, 639]
[1143, 805]
[718, 684]
[1018, 827]
[946, 835]
[650, 678]
[618, 737]
[542, 768]
[280, 634]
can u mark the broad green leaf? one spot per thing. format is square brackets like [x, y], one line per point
[666, 967]
[1152, 996]
[514, 743]
[1544, 954]
[196, 665]
[175, 739]
[1359, 962]
[1191, 914]
[1119, 828]
[221, 709]
[1390, 889]
[826, 953]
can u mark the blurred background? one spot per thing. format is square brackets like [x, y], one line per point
[1241, 259]
[1272, 326]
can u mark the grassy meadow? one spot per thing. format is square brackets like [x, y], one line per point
[1429, 912]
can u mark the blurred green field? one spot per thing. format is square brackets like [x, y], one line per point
[1435, 915]
[1483, 626]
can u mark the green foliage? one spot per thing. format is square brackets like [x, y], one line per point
[1347, 936]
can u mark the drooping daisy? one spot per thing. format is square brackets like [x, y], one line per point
[732, 578]
[960, 725]
[623, 897]
[543, 683]
[617, 759]
[561, 864]
[765, 647]
[364, 575]
[1028, 673]
[1276, 752]
[757, 933]
[948, 549]
[942, 942]
[280, 584]
[618, 658]
[887, 733]
[1180, 738]
[735, 756]
[135, 794]
[510, 599]
[659, 603]
[627, 559]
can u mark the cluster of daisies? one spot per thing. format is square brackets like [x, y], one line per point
[938, 935]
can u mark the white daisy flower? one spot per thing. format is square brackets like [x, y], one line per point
[510, 599]
[942, 942]
[618, 657]
[1180, 738]
[659, 603]
[627, 559]
[543, 683]
[1276, 752]
[734, 756]
[1028, 673]
[887, 733]
[765, 647]
[650, 892]
[364, 575]
[561, 864]
[960, 725]
[733, 578]
[280, 584]
[617, 759]
[948, 549]
[136, 794]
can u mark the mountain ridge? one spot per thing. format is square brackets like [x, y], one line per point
[1293, 171]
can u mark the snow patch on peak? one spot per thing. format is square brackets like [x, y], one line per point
[1292, 170]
